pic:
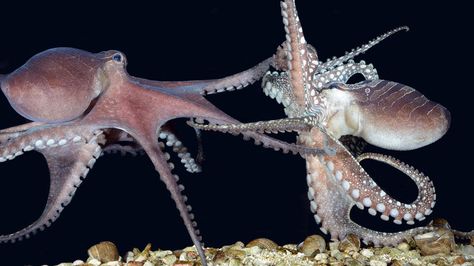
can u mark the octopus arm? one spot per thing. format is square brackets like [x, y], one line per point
[331, 208]
[301, 57]
[159, 160]
[335, 62]
[68, 166]
[172, 141]
[204, 87]
[335, 186]
[254, 131]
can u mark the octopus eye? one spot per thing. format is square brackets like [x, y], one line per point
[117, 57]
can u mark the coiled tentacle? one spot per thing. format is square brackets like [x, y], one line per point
[334, 188]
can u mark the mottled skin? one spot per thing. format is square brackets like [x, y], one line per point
[325, 111]
[83, 104]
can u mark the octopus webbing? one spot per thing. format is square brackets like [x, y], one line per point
[332, 115]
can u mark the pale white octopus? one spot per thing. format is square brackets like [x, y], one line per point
[331, 114]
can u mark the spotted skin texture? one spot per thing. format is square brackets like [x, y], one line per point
[98, 107]
[333, 170]
[334, 188]
[383, 113]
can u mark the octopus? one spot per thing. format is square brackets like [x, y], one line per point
[340, 118]
[82, 104]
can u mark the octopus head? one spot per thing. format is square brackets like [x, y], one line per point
[386, 114]
[60, 84]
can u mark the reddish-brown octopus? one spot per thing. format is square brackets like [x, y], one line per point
[83, 103]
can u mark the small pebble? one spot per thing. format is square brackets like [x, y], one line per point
[350, 243]
[169, 259]
[191, 248]
[183, 263]
[162, 253]
[312, 245]
[235, 262]
[129, 256]
[253, 250]
[440, 223]
[235, 253]
[459, 260]
[403, 246]
[334, 245]
[237, 245]
[220, 257]
[338, 255]
[353, 262]
[77, 262]
[321, 256]
[263, 243]
[440, 241]
[345, 252]
[112, 263]
[292, 247]
[94, 262]
[466, 250]
[367, 253]
[397, 263]
[134, 263]
[104, 251]
[140, 258]
[377, 263]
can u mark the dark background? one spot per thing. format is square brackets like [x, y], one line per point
[244, 192]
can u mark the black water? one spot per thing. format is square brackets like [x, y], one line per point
[245, 191]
